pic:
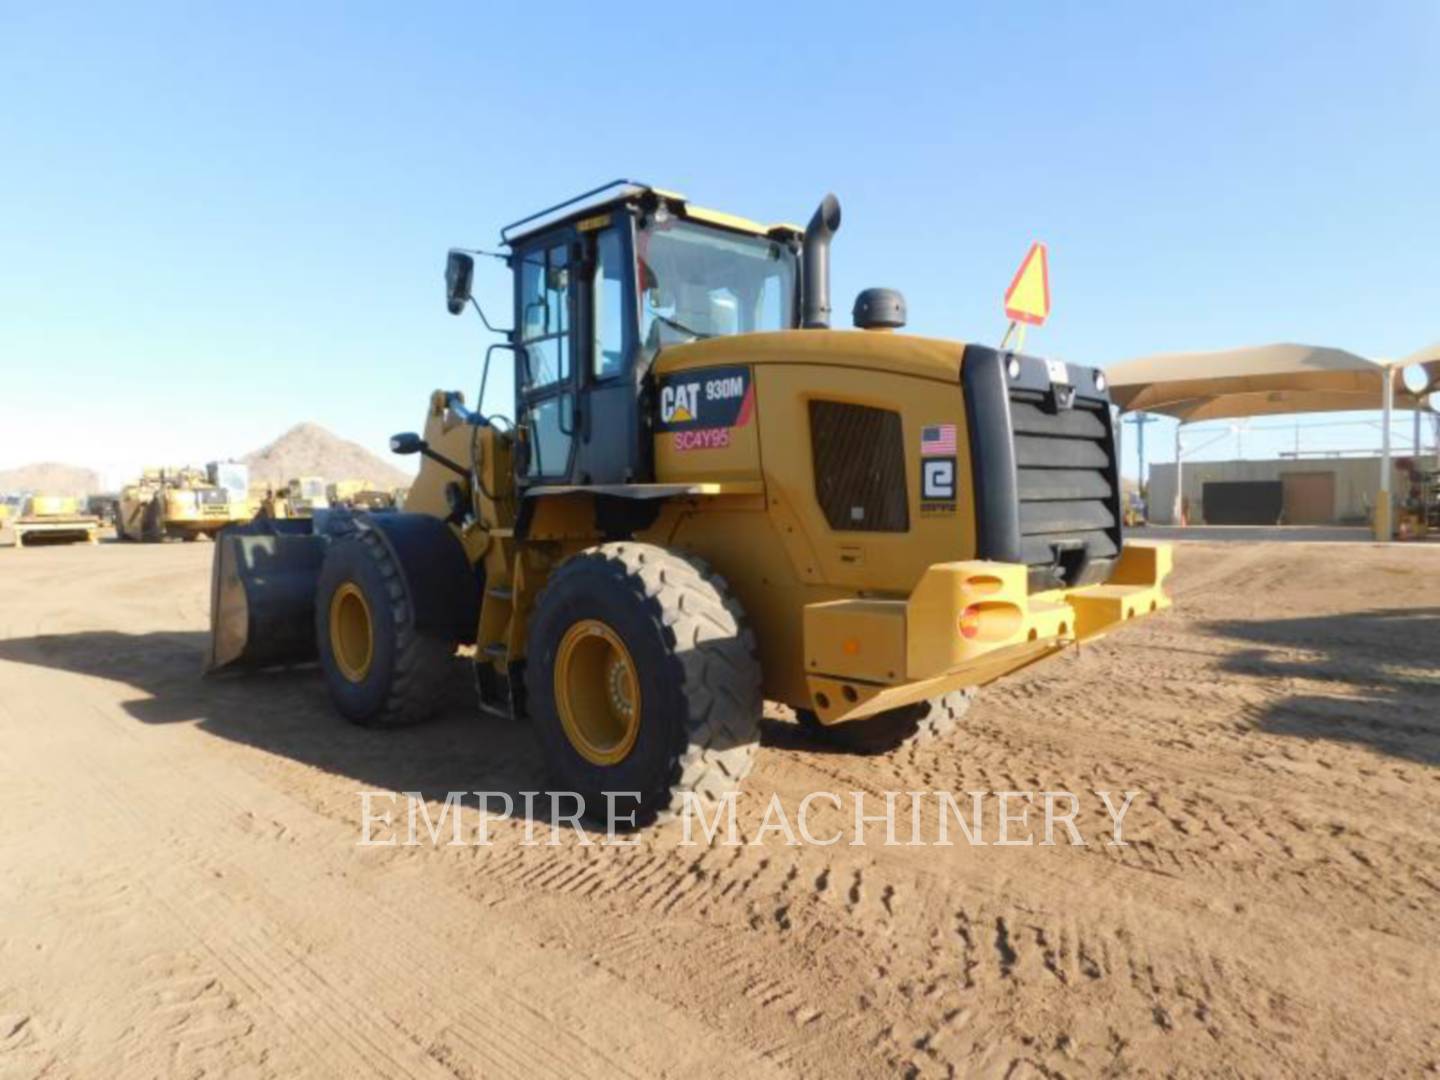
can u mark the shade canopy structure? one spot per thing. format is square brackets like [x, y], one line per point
[1260, 380]
[1270, 380]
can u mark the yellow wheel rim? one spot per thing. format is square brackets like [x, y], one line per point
[597, 692]
[352, 632]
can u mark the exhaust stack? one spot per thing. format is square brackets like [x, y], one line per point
[815, 311]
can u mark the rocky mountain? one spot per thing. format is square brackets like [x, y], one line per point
[50, 477]
[310, 450]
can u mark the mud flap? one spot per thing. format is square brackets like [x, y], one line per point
[262, 594]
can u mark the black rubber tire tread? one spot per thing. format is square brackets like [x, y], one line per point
[910, 725]
[708, 654]
[415, 685]
[152, 522]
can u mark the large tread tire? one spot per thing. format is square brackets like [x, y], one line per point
[910, 725]
[409, 671]
[152, 522]
[696, 662]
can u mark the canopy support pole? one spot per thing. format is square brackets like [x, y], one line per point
[1179, 509]
[1382, 504]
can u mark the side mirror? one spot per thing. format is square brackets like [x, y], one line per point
[406, 442]
[459, 274]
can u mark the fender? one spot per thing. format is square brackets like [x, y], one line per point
[443, 588]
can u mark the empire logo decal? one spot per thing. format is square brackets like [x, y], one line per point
[937, 485]
[716, 398]
[937, 468]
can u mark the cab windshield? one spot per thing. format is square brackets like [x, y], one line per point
[700, 282]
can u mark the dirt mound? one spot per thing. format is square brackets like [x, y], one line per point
[310, 450]
[51, 477]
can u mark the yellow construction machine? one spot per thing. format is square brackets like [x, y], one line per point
[300, 497]
[359, 495]
[707, 498]
[185, 503]
[56, 519]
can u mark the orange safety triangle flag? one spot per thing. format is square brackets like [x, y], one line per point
[1028, 298]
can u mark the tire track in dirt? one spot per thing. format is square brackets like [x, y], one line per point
[247, 924]
[1276, 909]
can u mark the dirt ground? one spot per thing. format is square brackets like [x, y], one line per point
[181, 890]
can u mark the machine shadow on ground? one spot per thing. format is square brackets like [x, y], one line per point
[287, 712]
[1384, 666]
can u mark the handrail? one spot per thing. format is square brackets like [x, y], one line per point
[505, 232]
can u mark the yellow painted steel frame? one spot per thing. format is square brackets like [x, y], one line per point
[966, 624]
[849, 623]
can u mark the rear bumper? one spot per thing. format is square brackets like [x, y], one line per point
[966, 624]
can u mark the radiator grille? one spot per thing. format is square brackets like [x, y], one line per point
[859, 457]
[1065, 480]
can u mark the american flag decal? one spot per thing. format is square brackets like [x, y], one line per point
[936, 439]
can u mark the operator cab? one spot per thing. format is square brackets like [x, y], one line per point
[603, 282]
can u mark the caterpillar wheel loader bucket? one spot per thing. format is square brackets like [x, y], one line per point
[262, 594]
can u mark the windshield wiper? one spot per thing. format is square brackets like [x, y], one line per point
[681, 327]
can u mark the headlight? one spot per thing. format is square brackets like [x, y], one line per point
[1100, 382]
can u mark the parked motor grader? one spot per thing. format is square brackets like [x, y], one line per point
[185, 503]
[707, 498]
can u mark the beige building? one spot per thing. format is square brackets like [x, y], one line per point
[1299, 491]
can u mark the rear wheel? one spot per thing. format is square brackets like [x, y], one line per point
[152, 522]
[642, 680]
[912, 725]
[381, 670]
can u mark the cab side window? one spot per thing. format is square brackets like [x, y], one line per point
[609, 306]
[544, 382]
[545, 315]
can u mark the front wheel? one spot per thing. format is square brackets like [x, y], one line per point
[642, 680]
[381, 670]
[909, 725]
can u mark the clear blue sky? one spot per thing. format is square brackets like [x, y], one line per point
[217, 220]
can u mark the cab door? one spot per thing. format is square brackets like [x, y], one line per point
[545, 368]
[613, 441]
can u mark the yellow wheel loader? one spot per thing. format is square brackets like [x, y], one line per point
[707, 498]
[183, 504]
